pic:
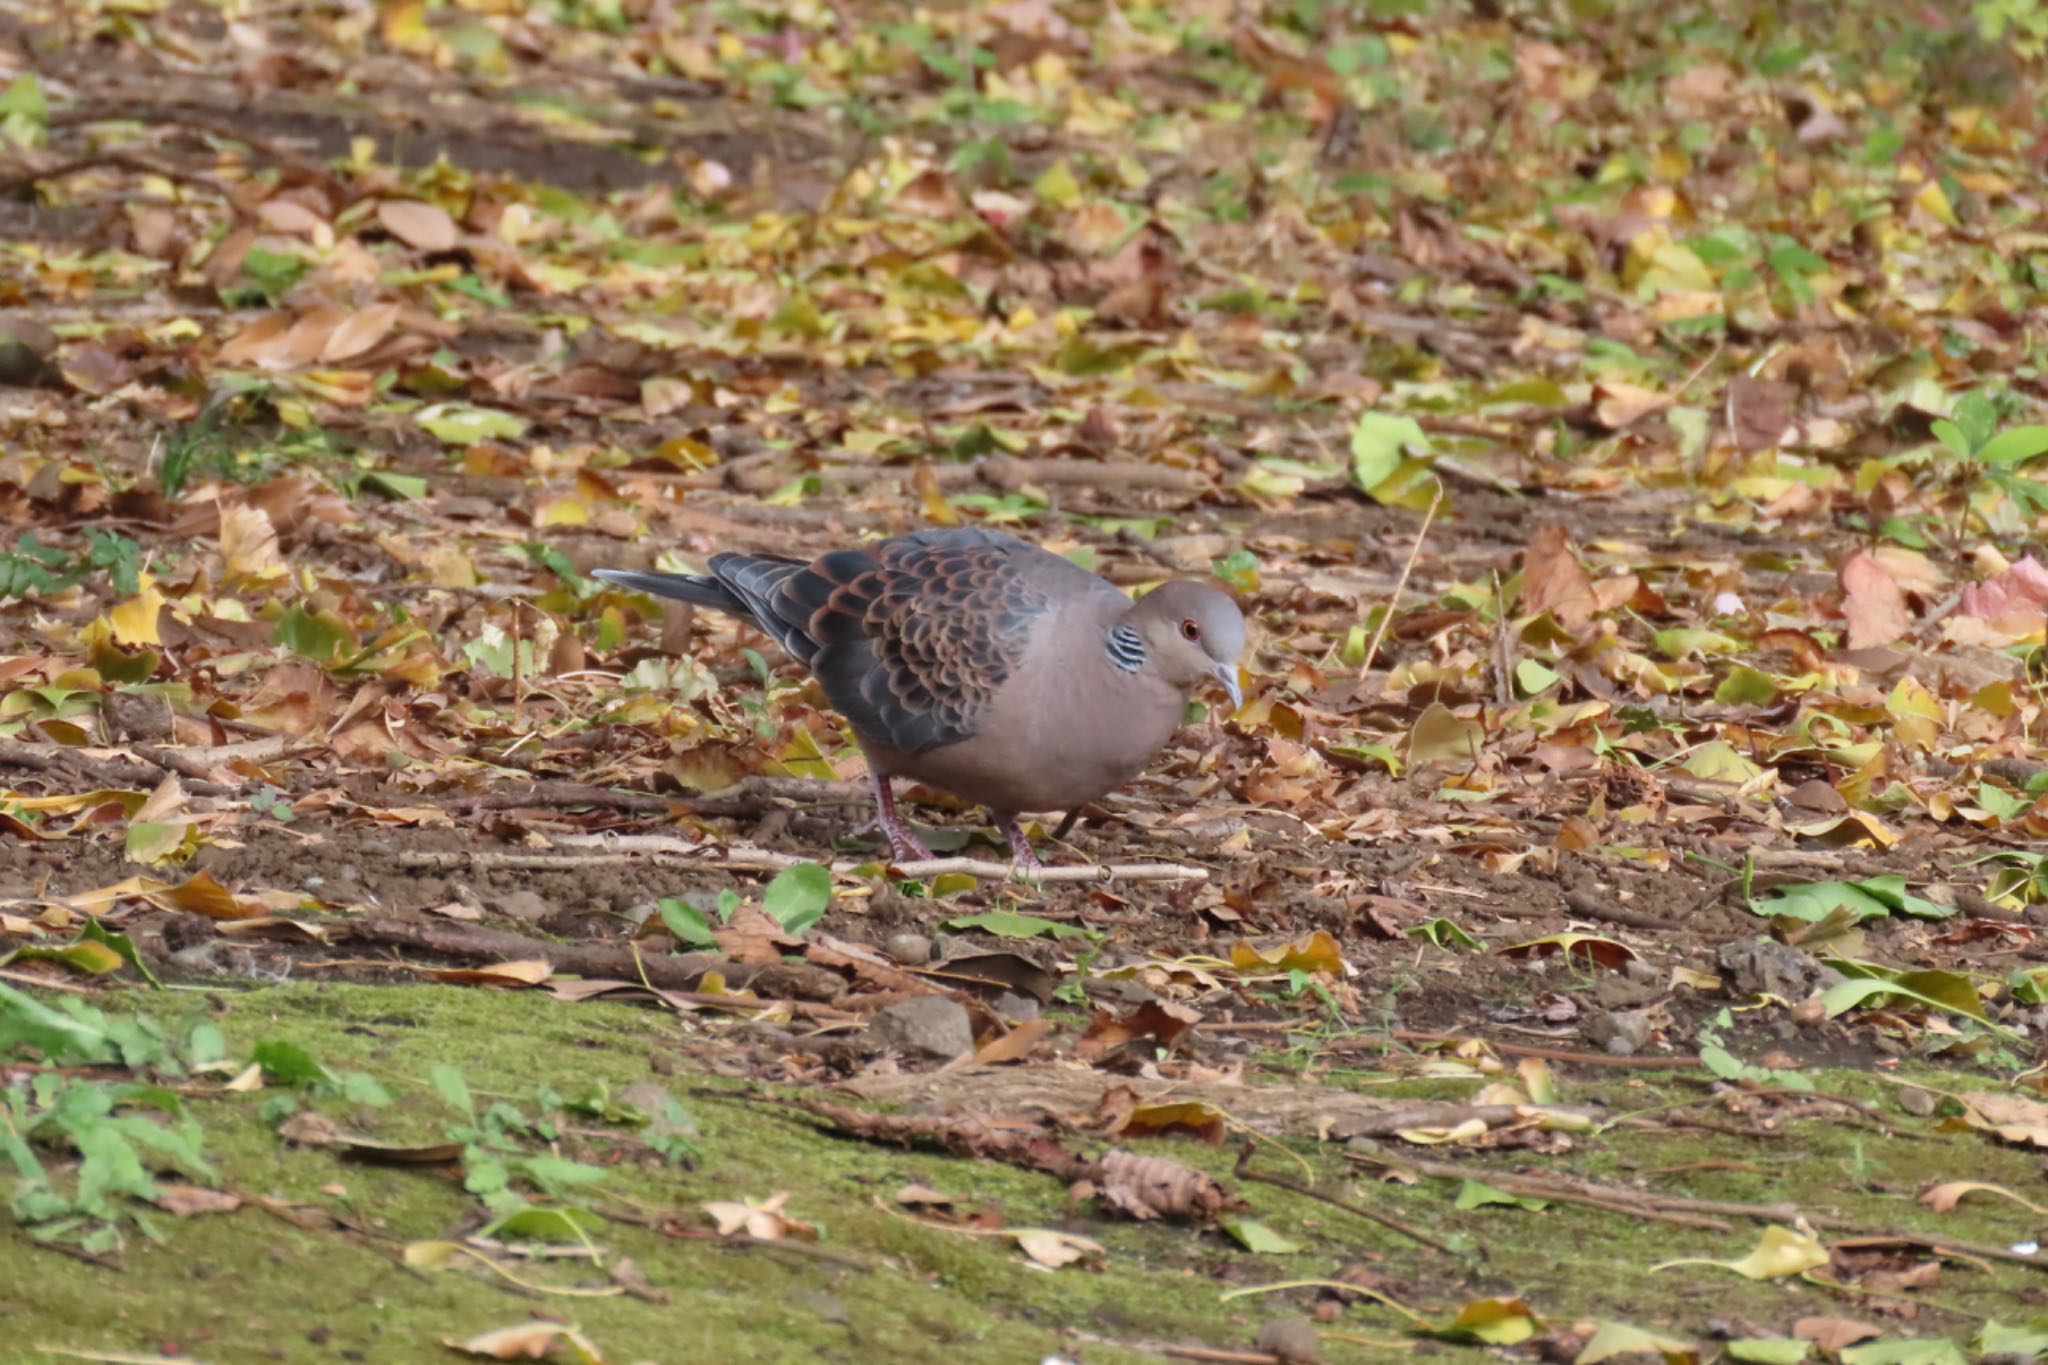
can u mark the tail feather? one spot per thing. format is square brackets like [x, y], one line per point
[701, 589]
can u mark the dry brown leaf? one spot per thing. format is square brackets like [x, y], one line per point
[1012, 1046]
[528, 1341]
[422, 226]
[1760, 413]
[1833, 1334]
[1154, 1021]
[1941, 1198]
[762, 1219]
[1056, 1249]
[1872, 601]
[184, 1201]
[359, 332]
[248, 543]
[526, 972]
[1553, 580]
[1617, 405]
[1146, 1187]
[256, 341]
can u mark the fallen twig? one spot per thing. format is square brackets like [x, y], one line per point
[1372, 650]
[605, 848]
[1244, 1171]
[1659, 1207]
[206, 760]
[677, 971]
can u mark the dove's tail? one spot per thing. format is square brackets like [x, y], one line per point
[702, 589]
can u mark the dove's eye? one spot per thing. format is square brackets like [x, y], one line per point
[1189, 630]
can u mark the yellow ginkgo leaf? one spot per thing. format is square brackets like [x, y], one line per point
[134, 621]
[1778, 1253]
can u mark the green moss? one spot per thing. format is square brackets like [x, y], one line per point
[252, 1287]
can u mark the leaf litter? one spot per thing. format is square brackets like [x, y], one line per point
[1626, 439]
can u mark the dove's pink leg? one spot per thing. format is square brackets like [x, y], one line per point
[1019, 845]
[903, 845]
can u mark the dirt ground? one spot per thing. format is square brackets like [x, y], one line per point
[1619, 439]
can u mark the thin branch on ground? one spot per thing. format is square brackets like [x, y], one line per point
[1244, 1171]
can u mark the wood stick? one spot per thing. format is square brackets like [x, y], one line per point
[634, 847]
[1244, 1171]
[1401, 584]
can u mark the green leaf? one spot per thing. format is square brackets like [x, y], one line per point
[317, 636]
[558, 1175]
[1474, 1194]
[1239, 569]
[797, 898]
[1378, 443]
[1936, 1352]
[360, 1087]
[538, 1224]
[1871, 898]
[404, 487]
[2020, 1343]
[1255, 1236]
[24, 98]
[1057, 186]
[1746, 686]
[686, 922]
[76, 1036]
[1010, 924]
[453, 1089]
[1613, 1339]
[1444, 933]
[1769, 1350]
[290, 1064]
[457, 424]
[1532, 677]
[2015, 444]
[86, 956]
[2002, 803]
[1946, 991]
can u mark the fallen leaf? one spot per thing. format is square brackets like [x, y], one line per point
[425, 227]
[1872, 601]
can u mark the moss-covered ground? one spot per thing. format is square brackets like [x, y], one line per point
[252, 1286]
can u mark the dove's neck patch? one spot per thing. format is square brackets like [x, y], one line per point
[1126, 648]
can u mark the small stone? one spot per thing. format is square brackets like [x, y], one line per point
[653, 1099]
[524, 905]
[912, 950]
[137, 716]
[1015, 1008]
[1765, 967]
[1623, 1033]
[1917, 1102]
[1622, 992]
[1293, 1340]
[923, 1026]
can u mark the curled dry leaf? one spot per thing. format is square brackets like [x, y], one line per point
[1553, 580]
[527, 972]
[529, 1341]
[1146, 1187]
[1943, 1197]
[1055, 1249]
[1872, 601]
[1318, 953]
[761, 1219]
[184, 1201]
[1155, 1021]
[424, 227]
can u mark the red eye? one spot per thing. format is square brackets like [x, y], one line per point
[1189, 630]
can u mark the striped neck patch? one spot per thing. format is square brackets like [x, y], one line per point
[1126, 648]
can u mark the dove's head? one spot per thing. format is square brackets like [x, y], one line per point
[1193, 634]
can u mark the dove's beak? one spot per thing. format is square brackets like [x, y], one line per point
[1227, 675]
